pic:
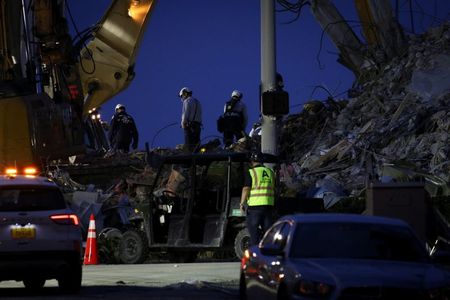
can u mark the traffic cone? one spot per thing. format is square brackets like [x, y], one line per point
[90, 254]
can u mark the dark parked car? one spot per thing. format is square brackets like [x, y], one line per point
[341, 256]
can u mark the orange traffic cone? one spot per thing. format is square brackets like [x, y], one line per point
[90, 254]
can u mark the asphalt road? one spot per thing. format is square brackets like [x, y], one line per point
[148, 281]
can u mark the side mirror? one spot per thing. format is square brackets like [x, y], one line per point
[271, 250]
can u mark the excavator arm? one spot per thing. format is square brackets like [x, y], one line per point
[107, 62]
[46, 91]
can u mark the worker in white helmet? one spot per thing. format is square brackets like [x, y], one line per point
[191, 119]
[123, 131]
[234, 119]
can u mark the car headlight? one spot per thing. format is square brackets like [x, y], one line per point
[313, 288]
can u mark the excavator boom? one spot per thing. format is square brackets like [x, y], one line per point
[107, 62]
[48, 83]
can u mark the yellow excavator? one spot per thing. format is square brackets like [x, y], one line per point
[52, 84]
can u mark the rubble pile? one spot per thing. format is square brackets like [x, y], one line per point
[399, 118]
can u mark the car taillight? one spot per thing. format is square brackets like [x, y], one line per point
[67, 219]
[245, 258]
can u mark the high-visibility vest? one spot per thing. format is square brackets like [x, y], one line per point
[263, 186]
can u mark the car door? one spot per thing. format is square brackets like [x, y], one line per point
[269, 267]
[273, 269]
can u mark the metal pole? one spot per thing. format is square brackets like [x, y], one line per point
[397, 11]
[269, 134]
[411, 15]
[26, 32]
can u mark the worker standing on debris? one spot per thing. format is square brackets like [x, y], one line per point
[191, 119]
[258, 194]
[234, 119]
[122, 131]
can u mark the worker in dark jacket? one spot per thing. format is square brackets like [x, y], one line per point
[234, 119]
[122, 131]
[191, 119]
[258, 194]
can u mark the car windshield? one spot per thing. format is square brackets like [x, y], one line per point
[30, 199]
[356, 241]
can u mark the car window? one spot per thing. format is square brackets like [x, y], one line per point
[270, 235]
[277, 235]
[355, 240]
[30, 199]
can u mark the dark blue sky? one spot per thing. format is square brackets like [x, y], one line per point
[213, 47]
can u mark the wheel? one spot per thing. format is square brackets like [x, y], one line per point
[182, 256]
[242, 288]
[34, 284]
[133, 248]
[108, 242]
[69, 280]
[241, 242]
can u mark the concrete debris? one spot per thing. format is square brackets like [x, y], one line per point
[433, 80]
[400, 117]
[384, 36]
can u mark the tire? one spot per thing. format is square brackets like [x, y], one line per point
[34, 284]
[241, 242]
[133, 248]
[182, 257]
[108, 242]
[70, 279]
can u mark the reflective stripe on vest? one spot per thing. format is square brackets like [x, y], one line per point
[262, 192]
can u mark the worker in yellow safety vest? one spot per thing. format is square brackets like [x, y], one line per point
[258, 195]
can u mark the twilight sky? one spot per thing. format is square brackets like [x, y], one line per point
[213, 47]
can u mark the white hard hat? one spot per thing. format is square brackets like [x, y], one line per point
[236, 94]
[184, 90]
[119, 106]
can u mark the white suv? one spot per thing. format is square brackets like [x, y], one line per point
[40, 237]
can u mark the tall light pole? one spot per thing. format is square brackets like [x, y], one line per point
[269, 134]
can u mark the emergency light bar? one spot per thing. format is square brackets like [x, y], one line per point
[28, 171]
[11, 171]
